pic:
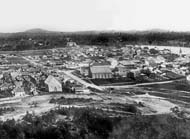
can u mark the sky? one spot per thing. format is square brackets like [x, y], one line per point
[81, 15]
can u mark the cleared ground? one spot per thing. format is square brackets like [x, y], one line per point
[117, 104]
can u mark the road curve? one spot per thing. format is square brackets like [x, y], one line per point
[69, 73]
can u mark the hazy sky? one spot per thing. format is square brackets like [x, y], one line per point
[75, 15]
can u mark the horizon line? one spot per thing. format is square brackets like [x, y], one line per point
[95, 30]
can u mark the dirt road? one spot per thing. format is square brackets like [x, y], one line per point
[69, 73]
[140, 84]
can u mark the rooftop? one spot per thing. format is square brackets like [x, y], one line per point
[99, 69]
[105, 63]
[19, 89]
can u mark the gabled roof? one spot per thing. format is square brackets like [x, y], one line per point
[51, 80]
[99, 69]
[19, 89]
[105, 63]
[18, 84]
[15, 74]
[126, 62]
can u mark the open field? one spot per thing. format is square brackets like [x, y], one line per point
[116, 104]
[17, 60]
[29, 52]
[178, 91]
[99, 114]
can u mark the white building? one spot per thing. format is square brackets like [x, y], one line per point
[19, 92]
[71, 44]
[53, 84]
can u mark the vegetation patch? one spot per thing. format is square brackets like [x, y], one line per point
[68, 101]
[177, 85]
[6, 109]
[92, 124]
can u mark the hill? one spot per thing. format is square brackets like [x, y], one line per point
[30, 39]
[37, 30]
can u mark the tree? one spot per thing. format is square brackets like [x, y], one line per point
[153, 51]
[131, 75]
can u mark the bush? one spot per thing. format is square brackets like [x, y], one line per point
[4, 110]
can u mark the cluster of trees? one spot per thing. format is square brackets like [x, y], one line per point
[152, 127]
[87, 124]
[5, 109]
[25, 41]
[68, 101]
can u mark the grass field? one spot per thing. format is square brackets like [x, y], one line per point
[17, 60]
[176, 91]
[178, 85]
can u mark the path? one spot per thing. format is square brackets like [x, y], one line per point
[32, 61]
[140, 84]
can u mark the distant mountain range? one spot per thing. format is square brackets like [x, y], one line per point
[155, 30]
[43, 31]
[37, 30]
[51, 39]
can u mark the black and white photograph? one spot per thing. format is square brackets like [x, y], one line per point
[94, 69]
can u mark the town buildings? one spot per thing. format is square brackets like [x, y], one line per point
[105, 65]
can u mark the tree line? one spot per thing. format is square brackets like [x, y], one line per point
[88, 124]
[26, 41]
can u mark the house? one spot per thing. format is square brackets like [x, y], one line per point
[101, 71]
[154, 61]
[71, 44]
[188, 78]
[122, 70]
[136, 72]
[15, 74]
[128, 51]
[33, 91]
[18, 83]
[125, 66]
[1, 76]
[151, 61]
[78, 88]
[165, 51]
[84, 67]
[160, 59]
[19, 92]
[53, 84]
[113, 62]
[84, 70]
[128, 64]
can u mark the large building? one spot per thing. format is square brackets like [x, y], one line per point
[101, 71]
[125, 66]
